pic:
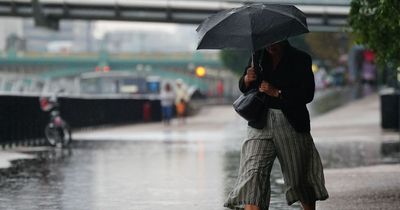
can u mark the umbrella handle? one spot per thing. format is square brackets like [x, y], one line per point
[256, 65]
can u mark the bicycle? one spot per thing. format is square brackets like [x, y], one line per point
[57, 131]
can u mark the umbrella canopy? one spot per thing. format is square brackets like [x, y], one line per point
[251, 27]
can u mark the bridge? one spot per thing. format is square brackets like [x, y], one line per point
[28, 73]
[322, 15]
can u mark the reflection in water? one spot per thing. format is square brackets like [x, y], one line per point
[148, 175]
[41, 183]
[137, 176]
[128, 175]
[349, 154]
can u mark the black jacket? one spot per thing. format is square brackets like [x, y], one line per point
[294, 77]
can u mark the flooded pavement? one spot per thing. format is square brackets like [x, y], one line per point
[179, 169]
[128, 175]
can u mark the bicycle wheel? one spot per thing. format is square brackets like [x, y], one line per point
[66, 135]
[52, 135]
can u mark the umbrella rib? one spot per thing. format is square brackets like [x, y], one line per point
[289, 15]
[251, 31]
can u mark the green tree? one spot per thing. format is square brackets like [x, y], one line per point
[327, 46]
[301, 43]
[235, 60]
[376, 25]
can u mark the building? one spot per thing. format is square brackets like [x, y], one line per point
[72, 36]
[9, 27]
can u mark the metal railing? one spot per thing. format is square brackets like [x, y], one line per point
[22, 121]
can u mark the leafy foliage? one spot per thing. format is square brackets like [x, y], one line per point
[235, 60]
[327, 46]
[376, 24]
[301, 43]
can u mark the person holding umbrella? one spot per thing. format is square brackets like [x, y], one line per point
[283, 74]
[283, 131]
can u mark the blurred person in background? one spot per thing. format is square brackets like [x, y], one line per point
[180, 111]
[321, 79]
[167, 97]
[338, 74]
[368, 73]
[181, 100]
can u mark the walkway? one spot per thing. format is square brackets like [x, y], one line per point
[192, 166]
[368, 187]
[352, 133]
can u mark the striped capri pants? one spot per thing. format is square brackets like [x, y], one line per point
[300, 162]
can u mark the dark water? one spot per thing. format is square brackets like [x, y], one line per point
[94, 175]
[177, 174]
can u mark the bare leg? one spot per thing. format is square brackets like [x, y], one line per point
[308, 206]
[251, 207]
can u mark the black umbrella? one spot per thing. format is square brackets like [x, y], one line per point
[251, 27]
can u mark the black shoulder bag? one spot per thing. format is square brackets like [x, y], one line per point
[251, 104]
